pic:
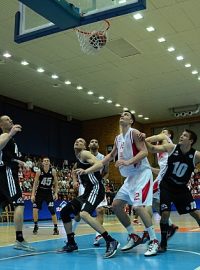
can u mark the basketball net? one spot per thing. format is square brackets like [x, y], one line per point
[91, 41]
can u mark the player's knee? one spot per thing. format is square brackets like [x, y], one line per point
[51, 210]
[66, 212]
[84, 215]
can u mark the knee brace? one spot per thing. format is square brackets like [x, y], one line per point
[66, 212]
[51, 210]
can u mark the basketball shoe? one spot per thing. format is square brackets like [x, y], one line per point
[152, 248]
[133, 241]
[111, 248]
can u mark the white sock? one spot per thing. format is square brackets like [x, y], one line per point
[151, 232]
[74, 225]
[130, 229]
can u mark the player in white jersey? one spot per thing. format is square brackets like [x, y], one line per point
[94, 146]
[137, 189]
[166, 136]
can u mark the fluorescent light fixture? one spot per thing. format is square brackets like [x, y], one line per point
[7, 55]
[140, 115]
[90, 93]
[137, 16]
[24, 63]
[194, 72]
[101, 97]
[79, 87]
[117, 105]
[179, 57]
[122, 1]
[188, 65]
[199, 78]
[68, 82]
[161, 39]
[171, 49]
[54, 76]
[109, 101]
[146, 118]
[150, 29]
[125, 109]
[132, 111]
[40, 70]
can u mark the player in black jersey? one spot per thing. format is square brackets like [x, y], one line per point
[182, 159]
[45, 180]
[88, 170]
[10, 191]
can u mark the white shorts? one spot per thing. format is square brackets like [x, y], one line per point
[137, 189]
[81, 190]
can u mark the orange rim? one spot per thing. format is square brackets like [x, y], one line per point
[89, 33]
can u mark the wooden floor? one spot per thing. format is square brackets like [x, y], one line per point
[183, 249]
[7, 233]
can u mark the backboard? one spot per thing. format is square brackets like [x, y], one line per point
[40, 18]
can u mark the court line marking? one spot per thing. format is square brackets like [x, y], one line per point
[44, 252]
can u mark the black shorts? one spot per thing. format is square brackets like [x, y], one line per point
[10, 191]
[43, 195]
[180, 195]
[90, 199]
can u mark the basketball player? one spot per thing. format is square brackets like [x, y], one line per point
[88, 170]
[181, 162]
[166, 136]
[137, 189]
[45, 179]
[10, 191]
[94, 146]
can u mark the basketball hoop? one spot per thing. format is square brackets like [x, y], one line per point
[92, 41]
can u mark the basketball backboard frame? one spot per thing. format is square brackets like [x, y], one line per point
[61, 15]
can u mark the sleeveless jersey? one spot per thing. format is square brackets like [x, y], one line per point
[126, 150]
[46, 179]
[162, 160]
[8, 153]
[90, 178]
[179, 166]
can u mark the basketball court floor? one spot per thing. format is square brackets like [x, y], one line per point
[183, 249]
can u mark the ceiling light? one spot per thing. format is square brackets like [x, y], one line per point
[132, 111]
[54, 76]
[79, 87]
[122, 1]
[125, 109]
[137, 16]
[90, 93]
[180, 58]
[161, 39]
[40, 70]
[24, 63]
[199, 78]
[188, 65]
[101, 97]
[109, 101]
[194, 72]
[117, 105]
[67, 82]
[150, 29]
[140, 115]
[7, 55]
[146, 118]
[171, 49]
